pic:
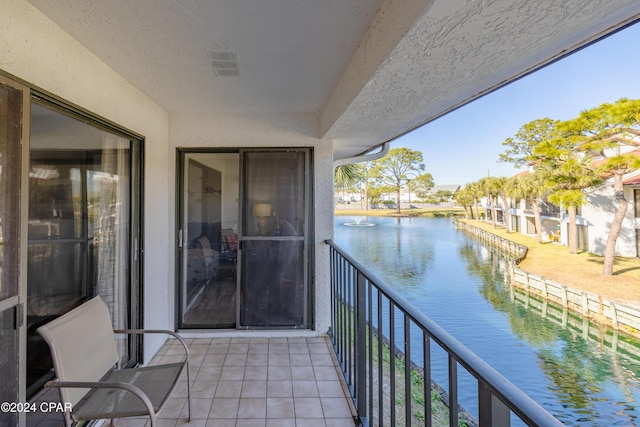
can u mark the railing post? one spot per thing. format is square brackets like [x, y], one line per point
[491, 411]
[426, 350]
[332, 256]
[381, 411]
[453, 391]
[370, 348]
[361, 345]
[407, 371]
[392, 364]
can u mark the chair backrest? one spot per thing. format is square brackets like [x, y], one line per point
[229, 240]
[209, 254]
[82, 346]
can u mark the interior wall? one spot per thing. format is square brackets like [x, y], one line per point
[231, 193]
[37, 51]
[228, 165]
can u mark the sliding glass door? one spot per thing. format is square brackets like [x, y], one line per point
[83, 227]
[243, 239]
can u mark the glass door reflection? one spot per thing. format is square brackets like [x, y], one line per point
[209, 201]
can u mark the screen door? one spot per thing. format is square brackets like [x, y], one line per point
[273, 239]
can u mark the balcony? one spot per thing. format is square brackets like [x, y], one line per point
[248, 382]
[360, 374]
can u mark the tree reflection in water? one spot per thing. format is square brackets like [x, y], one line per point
[566, 364]
[578, 369]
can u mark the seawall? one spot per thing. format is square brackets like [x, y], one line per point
[619, 316]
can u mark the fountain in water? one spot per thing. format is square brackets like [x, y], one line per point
[359, 222]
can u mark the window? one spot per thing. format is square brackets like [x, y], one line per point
[83, 222]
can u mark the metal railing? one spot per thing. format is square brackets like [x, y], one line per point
[390, 383]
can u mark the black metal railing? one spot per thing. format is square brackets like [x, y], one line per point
[388, 351]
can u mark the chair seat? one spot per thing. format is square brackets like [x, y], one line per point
[117, 403]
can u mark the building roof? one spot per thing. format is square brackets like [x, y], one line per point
[362, 71]
[632, 180]
[447, 187]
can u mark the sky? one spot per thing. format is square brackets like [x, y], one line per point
[464, 145]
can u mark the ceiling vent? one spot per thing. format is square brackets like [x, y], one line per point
[224, 62]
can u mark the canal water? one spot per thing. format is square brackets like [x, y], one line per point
[584, 374]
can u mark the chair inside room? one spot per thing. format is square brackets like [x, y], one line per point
[228, 245]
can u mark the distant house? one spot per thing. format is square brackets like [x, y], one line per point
[406, 196]
[593, 218]
[598, 213]
[437, 190]
[451, 188]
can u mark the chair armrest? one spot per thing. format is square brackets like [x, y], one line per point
[155, 331]
[124, 386]
[176, 336]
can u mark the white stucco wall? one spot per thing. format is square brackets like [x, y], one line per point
[35, 50]
[599, 211]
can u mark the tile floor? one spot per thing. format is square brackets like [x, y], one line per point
[253, 382]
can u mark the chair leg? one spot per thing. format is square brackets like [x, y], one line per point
[67, 419]
[188, 391]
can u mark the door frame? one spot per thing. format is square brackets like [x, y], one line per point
[180, 239]
[17, 302]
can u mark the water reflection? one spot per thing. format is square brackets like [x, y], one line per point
[583, 373]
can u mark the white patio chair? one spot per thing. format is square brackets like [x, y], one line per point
[83, 349]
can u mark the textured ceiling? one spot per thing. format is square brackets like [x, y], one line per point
[291, 53]
[458, 51]
[370, 69]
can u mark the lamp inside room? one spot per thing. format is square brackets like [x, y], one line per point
[261, 211]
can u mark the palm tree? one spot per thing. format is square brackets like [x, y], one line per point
[349, 177]
[489, 187]
[529, 187]
[500, 183]
[346, 176]
[476, 192]
[464, 197]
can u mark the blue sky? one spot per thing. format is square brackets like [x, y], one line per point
[464, 145]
